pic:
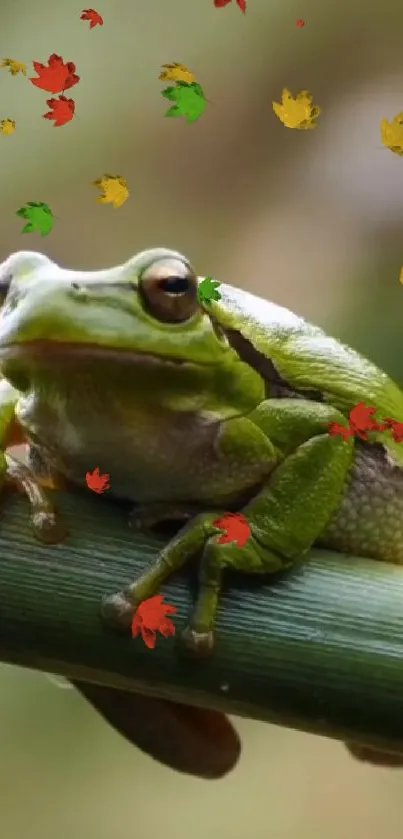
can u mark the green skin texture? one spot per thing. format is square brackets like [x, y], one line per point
[196, 439]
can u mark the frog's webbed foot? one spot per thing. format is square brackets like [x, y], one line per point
[118, 610]
[146, 517]
[46, 524]
[198, 644]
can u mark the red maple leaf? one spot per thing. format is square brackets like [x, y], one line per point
[57, 77]
[93, 16]
[362, 420]
[62, 110]
[97, 482]
[336, 428]
[220, 3]
[300, 23]
[395, 427]
[236, 529]
[150, 617]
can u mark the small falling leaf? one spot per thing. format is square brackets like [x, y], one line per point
[57, 77]
[189, 99]
[152, 617]
[39, 216]
[236, 529]
[220, 3]
[114, 188]
[177, 73]
[7, 126]
[97, 482]
[300, 23]
[297, 113]
[14, 67]
[61, 110]
[392, 134]
[208, 291]
[93, 16]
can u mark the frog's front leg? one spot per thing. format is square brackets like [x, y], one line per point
[286, 516]
[45, 522]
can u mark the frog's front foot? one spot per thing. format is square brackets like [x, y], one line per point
[48, 527]
[198, 643]
[117, 611]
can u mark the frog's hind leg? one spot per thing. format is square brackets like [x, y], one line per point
[286, 518]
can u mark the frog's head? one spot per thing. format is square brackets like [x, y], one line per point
[143, 316]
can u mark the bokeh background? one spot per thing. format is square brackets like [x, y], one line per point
[310, 219]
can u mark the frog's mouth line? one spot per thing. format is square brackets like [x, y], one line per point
[51, 351]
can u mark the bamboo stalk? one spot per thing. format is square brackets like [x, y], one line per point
[320, 649]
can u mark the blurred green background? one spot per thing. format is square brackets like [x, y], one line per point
[310, 219]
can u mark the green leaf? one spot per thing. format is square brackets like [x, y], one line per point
[40, 217]
[170, 93]
[207, 291]
[189, 98]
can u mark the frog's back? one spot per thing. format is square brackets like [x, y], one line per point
[308, 359]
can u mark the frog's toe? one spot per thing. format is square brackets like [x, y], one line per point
[199, 644]
[48, 527]
[117, 611]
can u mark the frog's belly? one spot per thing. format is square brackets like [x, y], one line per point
[149, 456]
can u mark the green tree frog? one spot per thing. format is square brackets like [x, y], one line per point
[194, 409]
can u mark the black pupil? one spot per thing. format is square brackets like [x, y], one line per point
[174, 285]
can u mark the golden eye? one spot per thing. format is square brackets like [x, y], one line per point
[169, 290]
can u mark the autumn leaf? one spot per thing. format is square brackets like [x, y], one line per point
[236, 529]
[220, 3]
[39, 216]
[189, 99]
[14, 67]
[392, 134]
[57, 76]
[396, 428]
[177, 73]
[7, 126]
[152, 617]
[97, 482]
[61, 110]
[300, 23]
[93, 16]
[115, 190]
[362, 419]
[207, 291]
[297, 113]
[336, 429]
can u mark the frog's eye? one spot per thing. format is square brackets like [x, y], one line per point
[169, 290]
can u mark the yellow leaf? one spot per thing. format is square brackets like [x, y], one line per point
[7, 126]
[114, 188]
[297, 113]
[177, 73]
[392, 134]
[401, 276]
[14, 66]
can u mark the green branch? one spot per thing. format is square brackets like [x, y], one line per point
[320, 649]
